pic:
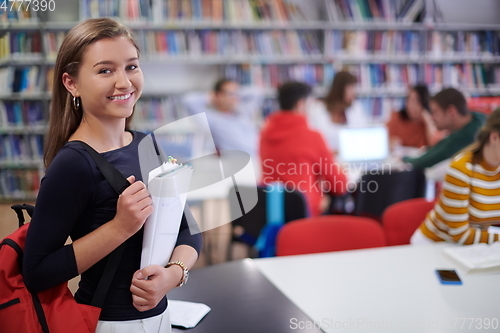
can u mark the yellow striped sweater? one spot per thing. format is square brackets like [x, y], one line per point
[469, 202]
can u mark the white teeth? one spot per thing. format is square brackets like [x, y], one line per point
[122, 97]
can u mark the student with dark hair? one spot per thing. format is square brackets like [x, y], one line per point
[296, 155]
[449, 112]
[220, 84]
[290, 93]
[338, 110]
[230, 113]
[413, 125]
[96, 84]
[469, 202]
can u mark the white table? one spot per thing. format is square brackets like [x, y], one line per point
[392, 289]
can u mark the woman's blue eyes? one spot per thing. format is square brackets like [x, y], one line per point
[107, 71]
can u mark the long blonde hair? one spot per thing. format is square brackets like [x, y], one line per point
[63, 118]
[492, 125]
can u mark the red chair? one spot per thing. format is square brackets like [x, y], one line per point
[329, 233]
[401, 219]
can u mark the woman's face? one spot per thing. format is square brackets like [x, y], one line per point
[109, 80]
[413, 106]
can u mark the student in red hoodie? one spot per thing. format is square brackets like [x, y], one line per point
[296, 155]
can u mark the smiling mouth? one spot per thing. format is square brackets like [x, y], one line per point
[120, 97]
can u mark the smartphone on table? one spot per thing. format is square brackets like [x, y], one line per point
[448, 276]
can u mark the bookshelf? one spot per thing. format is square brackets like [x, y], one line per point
[23, 103]
[388, 44]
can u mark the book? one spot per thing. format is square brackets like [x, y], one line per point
[230, 43]
[373, 10]
[19, 184]
[477, 258]
[186, 314]
[154, 112]
[413, 12]
[217, 11]
[168, 186]
[332, 11]
[236, 11]
[21, 12]
[389, 76]
[364, 10]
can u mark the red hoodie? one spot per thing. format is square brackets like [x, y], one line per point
[297, 156]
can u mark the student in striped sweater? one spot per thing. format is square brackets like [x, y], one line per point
[470, 199]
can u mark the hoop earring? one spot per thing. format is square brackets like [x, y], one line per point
[76, 103]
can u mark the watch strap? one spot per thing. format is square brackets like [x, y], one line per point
[184, 271]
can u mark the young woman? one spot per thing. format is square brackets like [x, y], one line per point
[413, 126]
[470, 199]
[97, 82]
[339, 109]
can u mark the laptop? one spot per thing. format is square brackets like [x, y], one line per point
[363, 150]
[364, 145]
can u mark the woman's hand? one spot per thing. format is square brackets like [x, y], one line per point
[146, 294]
[395, 144]
[133, 207]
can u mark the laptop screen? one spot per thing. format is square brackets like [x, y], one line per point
[363, 144]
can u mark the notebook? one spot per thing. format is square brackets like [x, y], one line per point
[186, 314]
[477, 258]
[168, 185]
[369, 144]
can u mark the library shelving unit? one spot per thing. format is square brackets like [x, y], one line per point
[387, 44]
[23, 103]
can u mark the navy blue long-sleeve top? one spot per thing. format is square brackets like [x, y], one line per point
[74, 200]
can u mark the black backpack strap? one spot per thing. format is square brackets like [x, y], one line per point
[112, 175]
[119, 184]
[107, 276]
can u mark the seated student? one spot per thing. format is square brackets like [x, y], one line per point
[296, 155]
[470, 200]
[229, 114]
[449, 112]
[413, 125]
[339, 109]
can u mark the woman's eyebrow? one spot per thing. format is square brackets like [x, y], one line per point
[110, 62]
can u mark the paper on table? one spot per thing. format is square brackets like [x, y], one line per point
[186, 314]
[168, 185]
[477, 258]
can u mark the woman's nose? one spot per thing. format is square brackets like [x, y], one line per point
[123, 81]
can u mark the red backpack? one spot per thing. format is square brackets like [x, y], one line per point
[54, 310]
